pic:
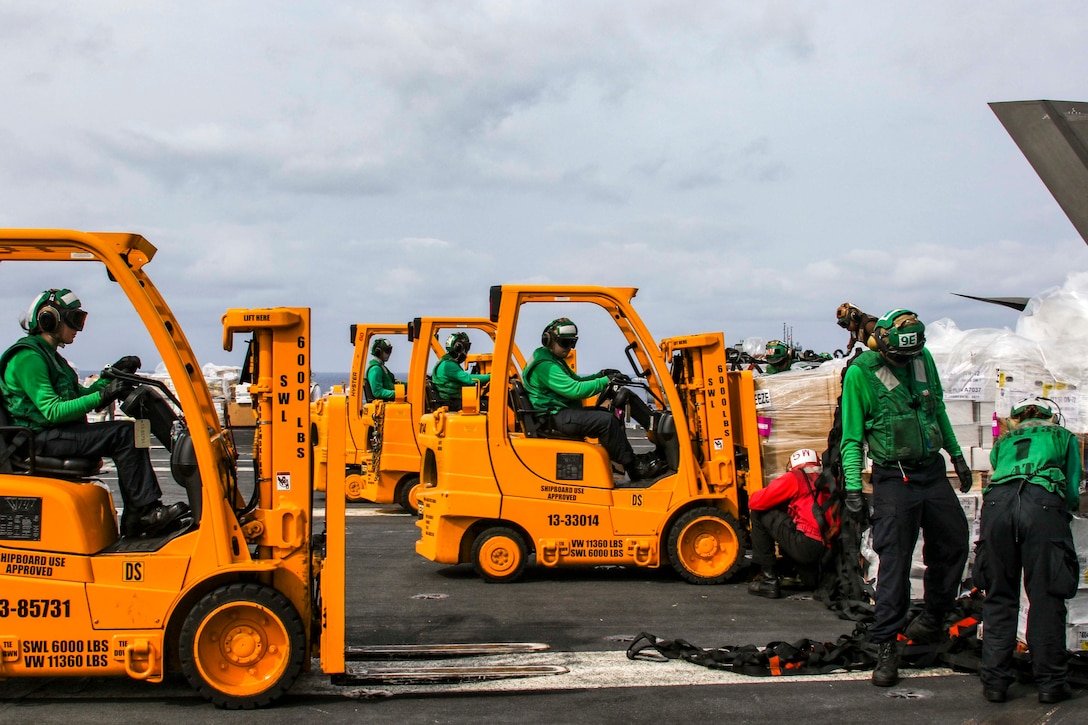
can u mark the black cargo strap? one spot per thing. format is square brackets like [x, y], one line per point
[803, 657]
[850, 652]
[842, 585]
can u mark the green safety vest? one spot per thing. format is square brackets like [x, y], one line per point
[388, 382]
[62, 377]
[542, 397]
[905, 427]
[1036, 451]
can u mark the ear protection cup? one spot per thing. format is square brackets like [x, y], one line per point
[872, 343]
[48, 317]
[880, 337]
[548, 338]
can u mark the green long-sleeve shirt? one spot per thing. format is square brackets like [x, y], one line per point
[552, 386]
[40, 388]
[916, 387]
[449, 377]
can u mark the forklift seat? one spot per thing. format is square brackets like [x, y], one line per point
[436, 401]
[17, 455]
[531, 418]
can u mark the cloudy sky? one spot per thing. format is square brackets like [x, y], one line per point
[745, 164]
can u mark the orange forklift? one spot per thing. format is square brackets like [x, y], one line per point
[500, 489]
[240, 598]
[382, 451]
[364, 413]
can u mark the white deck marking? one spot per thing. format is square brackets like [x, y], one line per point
[589, 670]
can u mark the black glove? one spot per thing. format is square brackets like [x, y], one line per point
[855, 504]
[619, 378]
[129, 364]
[608, 372]
[116, 390]
[963, 472]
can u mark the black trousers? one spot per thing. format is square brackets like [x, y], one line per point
[775, 525]
[114, 439]
[1025, 527]
[600, 424]
[925, 501]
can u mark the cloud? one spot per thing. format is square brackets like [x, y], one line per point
[745, 165]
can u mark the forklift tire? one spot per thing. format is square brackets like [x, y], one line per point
[705, 545]
[408, 494]
[242, 646]
[499, 555]
[353, 488]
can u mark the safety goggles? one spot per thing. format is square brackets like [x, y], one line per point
[567, 343]
[73, 318]
[843, 322]
[900, 358]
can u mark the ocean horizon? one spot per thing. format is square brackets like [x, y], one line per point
[327, 380]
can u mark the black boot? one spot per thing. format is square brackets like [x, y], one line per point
[1059, 694]
[646, 467]
[886, 673]
[766, 585]
[924, 629]
[153, 519]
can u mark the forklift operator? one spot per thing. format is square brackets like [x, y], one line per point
[379, 383]
[556, 389]
[448, 375]
[41, 391]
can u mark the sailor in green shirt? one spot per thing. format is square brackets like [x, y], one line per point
[449, 377]
[379, 383]
[778, 356]
[41, 391]
[892, 402]
[1025, 525]
[556, 389]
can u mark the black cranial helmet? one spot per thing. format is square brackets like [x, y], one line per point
[380, 345]
[458, 345]
[847, 314]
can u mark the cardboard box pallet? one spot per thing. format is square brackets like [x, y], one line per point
[795, 410]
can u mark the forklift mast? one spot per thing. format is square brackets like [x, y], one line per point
[284, 529]
[717, 406]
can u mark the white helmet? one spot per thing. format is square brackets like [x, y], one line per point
[804, 457]
[1035, 407]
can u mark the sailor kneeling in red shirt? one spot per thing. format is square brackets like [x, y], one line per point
[784, 513]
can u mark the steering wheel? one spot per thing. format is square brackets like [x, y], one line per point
[609, 392]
